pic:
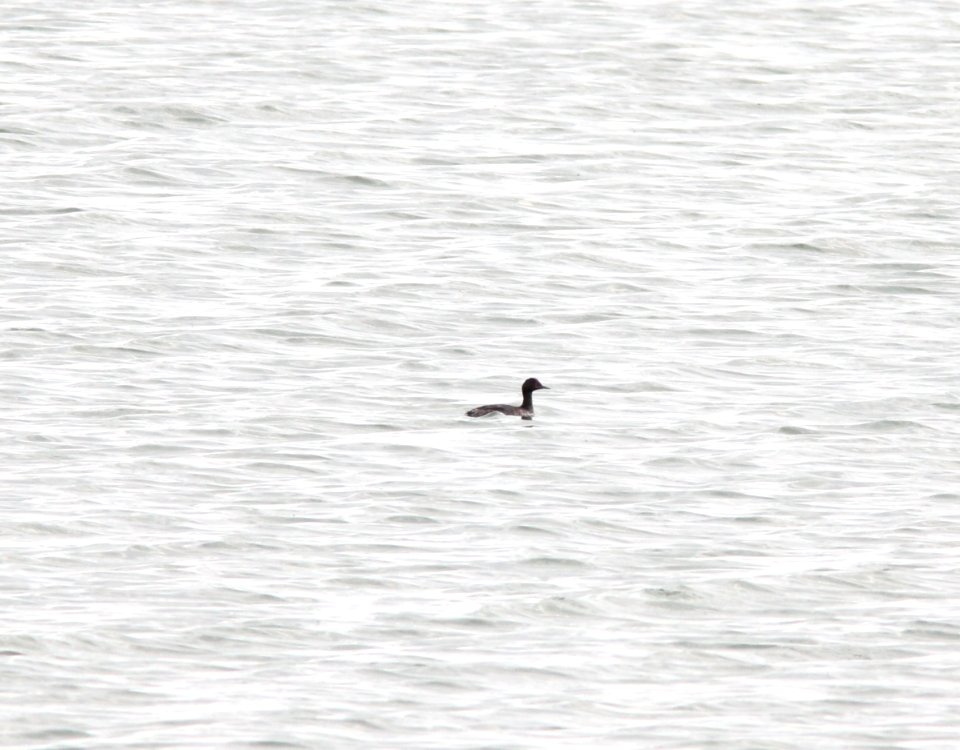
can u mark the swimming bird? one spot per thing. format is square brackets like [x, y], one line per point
[525, 410]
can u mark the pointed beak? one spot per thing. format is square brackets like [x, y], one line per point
[545, 388]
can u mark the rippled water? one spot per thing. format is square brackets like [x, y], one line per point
[260, 257]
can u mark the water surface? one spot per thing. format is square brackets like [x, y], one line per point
[261, 257]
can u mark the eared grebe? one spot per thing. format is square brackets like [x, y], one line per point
[525, 410]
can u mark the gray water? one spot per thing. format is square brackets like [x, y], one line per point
[260, 257]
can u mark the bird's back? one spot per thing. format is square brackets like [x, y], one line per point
[482, 411]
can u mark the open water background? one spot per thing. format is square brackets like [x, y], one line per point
[259, 257]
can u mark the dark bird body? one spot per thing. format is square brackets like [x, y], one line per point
[525, 410]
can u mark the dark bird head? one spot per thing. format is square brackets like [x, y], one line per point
[532, 384]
